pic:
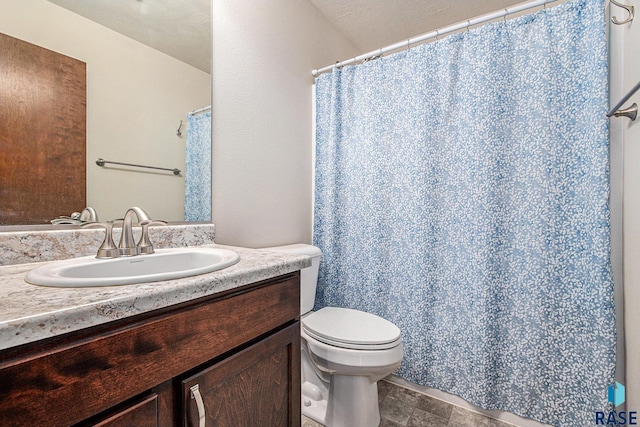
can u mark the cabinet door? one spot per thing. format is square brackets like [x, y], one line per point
[141, 412]
[258, 386]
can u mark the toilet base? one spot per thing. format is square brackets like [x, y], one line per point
[353, 401]
[314, 404]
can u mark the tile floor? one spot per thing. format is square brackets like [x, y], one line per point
[401, 407]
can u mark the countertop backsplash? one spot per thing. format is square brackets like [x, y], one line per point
[19, 247]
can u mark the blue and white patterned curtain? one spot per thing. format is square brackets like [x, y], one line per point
[197, 177]
[462, 193]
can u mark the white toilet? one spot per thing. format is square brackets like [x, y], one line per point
[344, 354]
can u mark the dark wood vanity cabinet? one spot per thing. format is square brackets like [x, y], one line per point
[143, 412]
[231, 359]
[223, 397]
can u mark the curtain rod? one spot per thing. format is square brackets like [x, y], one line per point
[201, 110]
[439, 32]
[624, 99]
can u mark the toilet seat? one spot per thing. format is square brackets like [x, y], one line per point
[351, 329]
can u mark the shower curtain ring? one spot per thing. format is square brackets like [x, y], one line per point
[468, 23]
[437, 34]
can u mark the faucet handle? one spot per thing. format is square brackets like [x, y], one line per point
[108, 249]
[144, 244]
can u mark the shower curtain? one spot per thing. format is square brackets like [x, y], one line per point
[462, 193]
[197, 176]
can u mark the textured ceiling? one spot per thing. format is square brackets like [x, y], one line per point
[179, 28]
[372, 24]
[182, 28]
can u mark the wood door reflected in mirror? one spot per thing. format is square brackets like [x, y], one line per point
[42, 133]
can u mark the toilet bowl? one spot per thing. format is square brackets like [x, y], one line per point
[344, 353]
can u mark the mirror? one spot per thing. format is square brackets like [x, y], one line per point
[147, 68]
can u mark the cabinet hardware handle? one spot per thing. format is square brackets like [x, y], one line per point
[195, 394]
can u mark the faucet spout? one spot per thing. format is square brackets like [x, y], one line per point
[127, 245]
[88, 214]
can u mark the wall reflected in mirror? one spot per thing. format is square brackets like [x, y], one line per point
[137, 96]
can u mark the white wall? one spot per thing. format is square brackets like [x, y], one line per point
[263, 54]
[136, 97]
[630, 39]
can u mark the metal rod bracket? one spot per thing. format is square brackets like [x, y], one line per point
[624, 99]
[631, 112]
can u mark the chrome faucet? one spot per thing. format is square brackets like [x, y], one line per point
[127, 246]
[88, 214]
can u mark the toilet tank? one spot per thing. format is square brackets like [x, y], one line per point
[308, 276]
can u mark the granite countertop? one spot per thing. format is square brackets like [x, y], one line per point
[29, 313]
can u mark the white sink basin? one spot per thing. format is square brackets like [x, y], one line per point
[165, 264]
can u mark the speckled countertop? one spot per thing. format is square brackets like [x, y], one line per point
[29, 313]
